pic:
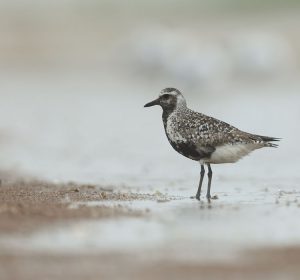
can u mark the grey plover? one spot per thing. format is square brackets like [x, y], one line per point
[203, 138]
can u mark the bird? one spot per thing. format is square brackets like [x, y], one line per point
[203, 138]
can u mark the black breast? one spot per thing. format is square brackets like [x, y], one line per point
[190, 151]
[187, 149]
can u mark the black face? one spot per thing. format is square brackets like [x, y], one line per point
[167, 100]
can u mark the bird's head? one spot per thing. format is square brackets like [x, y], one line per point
[168, 99]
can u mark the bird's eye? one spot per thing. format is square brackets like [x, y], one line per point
[166, 96]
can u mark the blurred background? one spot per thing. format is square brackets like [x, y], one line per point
[75, 75]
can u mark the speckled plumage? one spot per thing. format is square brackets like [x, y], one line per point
[203, 138]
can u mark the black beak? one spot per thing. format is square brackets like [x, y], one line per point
[152, 103]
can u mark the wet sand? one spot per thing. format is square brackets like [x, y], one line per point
[31, 206]
[28, 205]
[281, 263]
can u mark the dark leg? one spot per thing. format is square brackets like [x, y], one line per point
[202, 172]
[208, 196]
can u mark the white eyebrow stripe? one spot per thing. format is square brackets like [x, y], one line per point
[171, 93]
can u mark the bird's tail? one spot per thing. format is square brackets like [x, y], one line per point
[267, 141]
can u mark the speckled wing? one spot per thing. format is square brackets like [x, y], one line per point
[210, 132]
[208, 140]
[207, 131]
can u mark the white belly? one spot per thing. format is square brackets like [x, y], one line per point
[231, 153]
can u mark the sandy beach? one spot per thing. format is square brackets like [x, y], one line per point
[56, 231]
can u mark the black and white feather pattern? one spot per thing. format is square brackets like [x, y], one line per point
[206, 139]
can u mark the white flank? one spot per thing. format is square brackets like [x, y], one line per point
[232, 153]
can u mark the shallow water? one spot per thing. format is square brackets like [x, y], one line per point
[178, 228]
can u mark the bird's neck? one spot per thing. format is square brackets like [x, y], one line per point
[165, 116]
[167, 112]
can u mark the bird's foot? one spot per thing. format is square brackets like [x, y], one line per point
[193, 197]
[214, 197]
